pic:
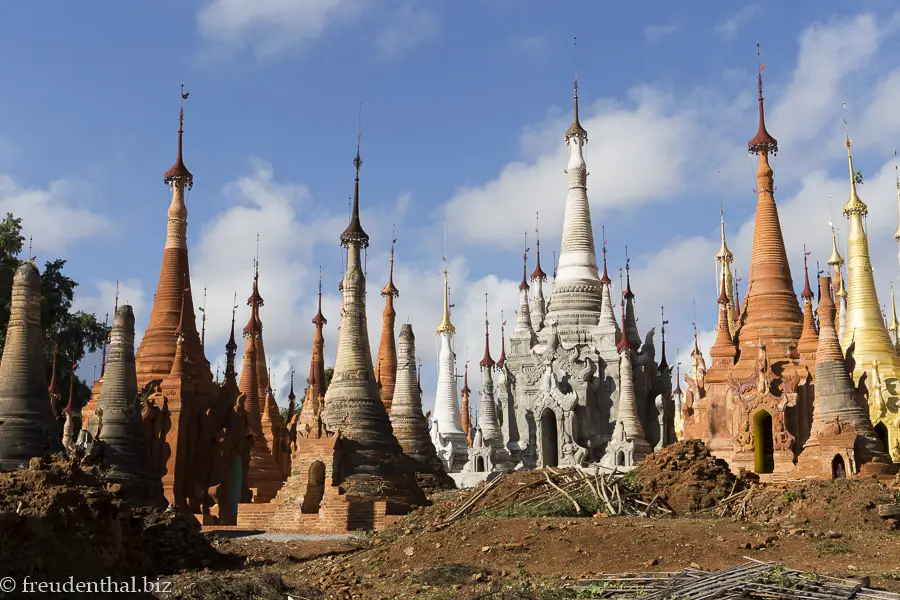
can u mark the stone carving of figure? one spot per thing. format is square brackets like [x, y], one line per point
[762, 371]
[572, 453]
[878, 407]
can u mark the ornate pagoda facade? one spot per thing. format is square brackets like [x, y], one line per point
[559, 387]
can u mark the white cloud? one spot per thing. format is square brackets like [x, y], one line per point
[271, 27]
[733, 24]
[54, 216]
[412, 24]
[655, 33]
[102, 300]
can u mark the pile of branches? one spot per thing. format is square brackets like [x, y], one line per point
[753, 579]
[734, 505]
[606, 490]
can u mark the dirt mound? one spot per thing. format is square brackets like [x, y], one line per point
[687, 476]
[845, 503]
[58, 519]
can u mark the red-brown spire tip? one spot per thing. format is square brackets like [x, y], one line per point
[291, 395]
[389, 288]
[623, 344]
[465, 386]
[807, 292]
[576, 129]
[179, 172]
[524, 285]
[663, 363]
[762, 142]
[320, 319]
[628, 293]
[231, 346]
[254, 302]
[605, 278]
[677, 389]
[538, 272]
[502, 360]
[486, 362]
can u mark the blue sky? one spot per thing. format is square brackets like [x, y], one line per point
[465, 106]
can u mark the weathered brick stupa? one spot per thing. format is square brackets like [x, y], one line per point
[125, 448]
[408, 421]
[27, 426]
[183, 411]
[842, 441]
[264, 477]
[386, 361]
[753, 406]
[310, 418]
[865, 338]
[370, 462]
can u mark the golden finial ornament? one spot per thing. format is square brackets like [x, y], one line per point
[445, 326]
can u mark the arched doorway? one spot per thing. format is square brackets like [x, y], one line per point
[763, 444]
[315, 488]
[479, 464]
[620, 459]
[234, 485]
[882, 432]
[549, 439]
[838, 470]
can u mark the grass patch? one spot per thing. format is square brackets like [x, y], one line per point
[833, 547]
[445, 575]
[792, 495]
[778, 575]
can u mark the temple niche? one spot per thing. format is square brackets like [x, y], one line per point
[560, 387]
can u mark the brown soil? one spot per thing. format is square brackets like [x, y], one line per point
[58, 519]
[828, 527]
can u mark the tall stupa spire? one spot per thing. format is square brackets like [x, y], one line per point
[524, 319]
[487, 413]
[724, 263]
[809, 339]
[576, 286]
[538, 277]
[772, 312]
[447, 430]
[865, 322]
[353, 404]
[386, 361]
[894, 325]
[836, 262]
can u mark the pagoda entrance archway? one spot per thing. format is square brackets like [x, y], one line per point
[838, 469]
[549, 439]
[881, 431]
[315, 488]
[763, 443]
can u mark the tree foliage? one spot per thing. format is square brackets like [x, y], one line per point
[72, 333]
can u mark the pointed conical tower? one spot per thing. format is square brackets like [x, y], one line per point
[311, 412]
[724, 262]
[836, 261]
[865, 323]
[576, 285]
[723, 351]
[274, 423]
[897, 182]
[894, 325]
[230, 388]
[466, 417]
[27, 426]
[371, 462]
[809, 339]
[772, 313]
[842, 439]
[524, 320]
[447, 431]
[487, 412]
[607, 326]
[538, 277]
[126, 452]
[766, 369]
[386, 362]
[408, 421]
[264, 476]
[630, 320]
[628, 431]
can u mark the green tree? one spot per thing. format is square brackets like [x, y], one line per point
[857, 177]
[73, 333]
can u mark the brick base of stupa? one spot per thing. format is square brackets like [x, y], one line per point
[845, 454]
[309, 502]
